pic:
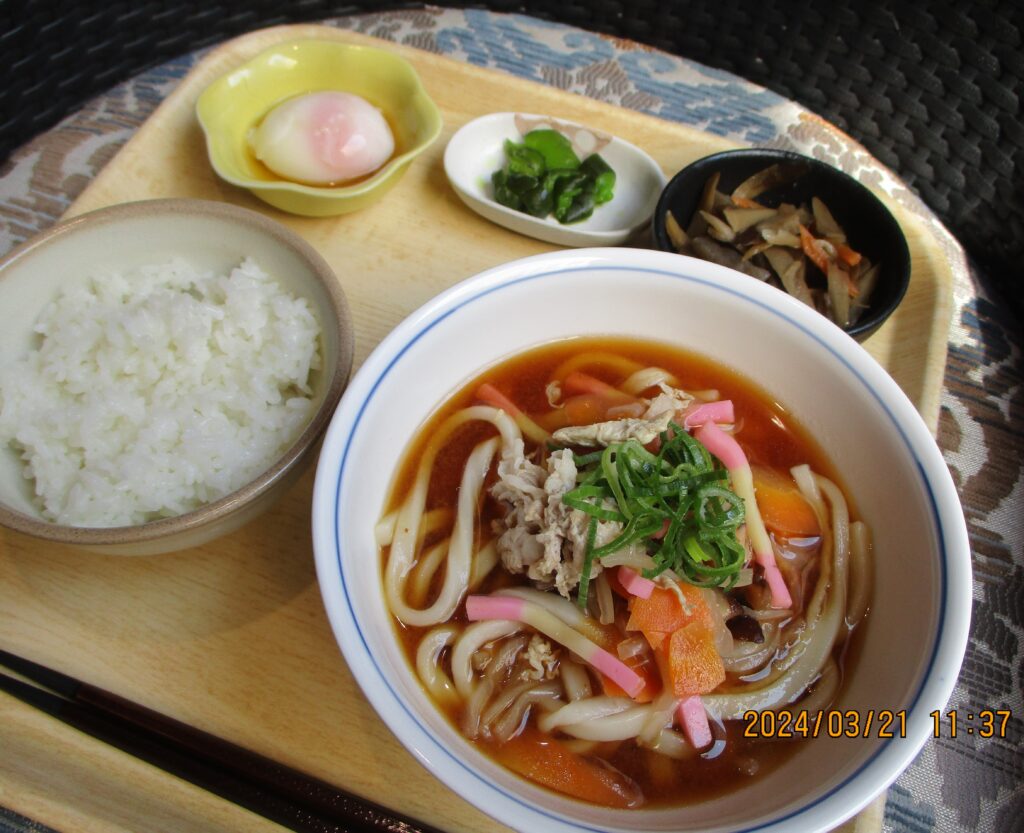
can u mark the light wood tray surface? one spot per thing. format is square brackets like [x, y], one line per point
[232, 637]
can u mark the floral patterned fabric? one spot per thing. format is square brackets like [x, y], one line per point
[962, 784]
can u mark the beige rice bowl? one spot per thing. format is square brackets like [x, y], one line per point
[152, 392]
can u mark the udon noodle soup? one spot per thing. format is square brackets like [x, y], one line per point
[607, 557]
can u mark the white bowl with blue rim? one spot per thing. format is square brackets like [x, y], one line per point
[916, 631]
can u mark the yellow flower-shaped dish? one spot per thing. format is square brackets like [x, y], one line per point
[233, 105]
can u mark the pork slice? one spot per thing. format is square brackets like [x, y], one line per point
[541, 535]
[615, 431]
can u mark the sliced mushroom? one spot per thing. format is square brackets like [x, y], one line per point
[794, 281]
[839, 294]
[792, 272]
[866, 283]
[718, 228]
[825, 224]
[780, 237]
[675, 232]
[756, 249]
[740, 219]
[707, 196]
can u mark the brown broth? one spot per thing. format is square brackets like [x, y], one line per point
[769, 435]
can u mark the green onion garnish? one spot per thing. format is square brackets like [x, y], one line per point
[588, 562]
[680, 494]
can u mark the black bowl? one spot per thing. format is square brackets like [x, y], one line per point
[869, 226]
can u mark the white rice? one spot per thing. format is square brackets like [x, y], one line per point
[155, 392]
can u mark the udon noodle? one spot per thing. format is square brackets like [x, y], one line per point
[604, 555]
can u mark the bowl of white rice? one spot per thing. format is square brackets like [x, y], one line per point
[166, 367]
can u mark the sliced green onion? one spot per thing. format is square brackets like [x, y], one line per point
[680, 494]
[582, 460]
[590, 499]
[588, 565]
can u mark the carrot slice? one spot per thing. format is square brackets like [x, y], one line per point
[848, 255]
[811, 248]
[694, 664]
[656, 638]
[783, 509]
[577, 382]
[494, 397]
[584, 409]
[609, 361]
[661, 613]
[588, 408]
[549, 763]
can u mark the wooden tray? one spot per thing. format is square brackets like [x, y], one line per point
[232, 637]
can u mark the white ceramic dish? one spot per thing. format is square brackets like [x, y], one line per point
[210, 235]
[915, 635]
[477, 150]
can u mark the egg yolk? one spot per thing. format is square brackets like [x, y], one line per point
[323, 138]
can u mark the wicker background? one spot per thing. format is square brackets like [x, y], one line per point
[932, 89]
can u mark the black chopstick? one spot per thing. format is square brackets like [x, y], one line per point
[275, 791]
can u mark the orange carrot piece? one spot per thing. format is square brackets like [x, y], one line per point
[585, 409]
[549, 763]
[619, 365]
[661, 613]
[783, 509]
[811, 248]
[492, 396]
[848, 255]
[589, 400]
[695, 666]
[746, 202]
[553, 419]
[655, 638]
[577, 382]
[588, 408]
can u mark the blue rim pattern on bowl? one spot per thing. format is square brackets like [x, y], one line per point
[444, 306]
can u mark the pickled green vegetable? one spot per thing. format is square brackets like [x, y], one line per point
[543, 176]
[503, 193]
[603, 175]
[574, 198]
[524, 160]
[554, 147]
